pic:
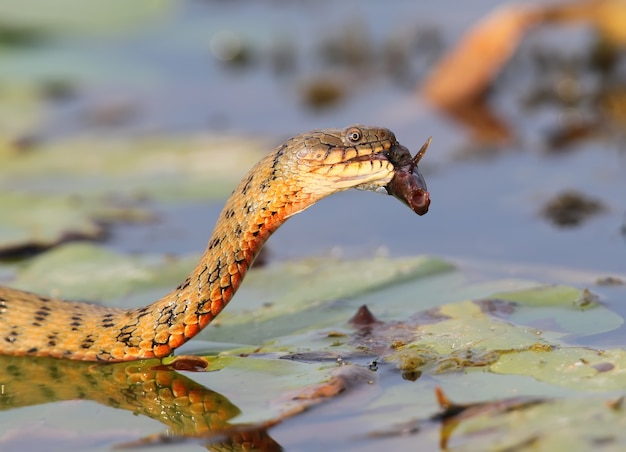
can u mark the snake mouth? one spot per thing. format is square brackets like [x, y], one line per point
[408, 184]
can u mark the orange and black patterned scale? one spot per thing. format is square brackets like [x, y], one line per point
[291, 178]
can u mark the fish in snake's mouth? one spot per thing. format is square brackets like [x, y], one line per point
[408, 184]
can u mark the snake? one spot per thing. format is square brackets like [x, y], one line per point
[288, 180]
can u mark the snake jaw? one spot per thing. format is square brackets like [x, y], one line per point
[363, 168]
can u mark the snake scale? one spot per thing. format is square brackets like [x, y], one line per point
[291, 178]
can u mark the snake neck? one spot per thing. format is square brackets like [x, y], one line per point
[293, 177]
[256, 208]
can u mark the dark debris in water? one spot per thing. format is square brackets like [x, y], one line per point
[571, 208]
[610, 281]
[313, 357]
[28, 250]
[616, 404]
[363, 317]
[586, 299]
[410, 427]
[495, 307]
[411, 360]
[237, 437]
[562, 138]
[21, 36]
[603, 367]
[323, 92]
[428, 316]
[451, 409]
[59, 89]
[342, 379]
[452, 414]
[186, 363]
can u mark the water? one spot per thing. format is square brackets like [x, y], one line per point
[485, 212]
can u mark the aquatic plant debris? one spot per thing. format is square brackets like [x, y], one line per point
[571, 208]
[461, 337]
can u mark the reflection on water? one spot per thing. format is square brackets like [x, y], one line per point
[188, 409]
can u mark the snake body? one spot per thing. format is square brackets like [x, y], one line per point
[294, 176]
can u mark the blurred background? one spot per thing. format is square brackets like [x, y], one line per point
[526, 105]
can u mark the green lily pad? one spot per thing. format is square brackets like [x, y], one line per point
[20, 113]
[202, 167]
[464, 336]
[575, 311]
[433, 321]
[98, 16]
[90, 272]
[578, 368]
[297, 296]
[543, 296]
[41, 221]
[39, 188]
[274, 300]
[567, 424]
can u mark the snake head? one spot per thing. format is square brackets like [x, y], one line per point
[408, 184]
[366, 158]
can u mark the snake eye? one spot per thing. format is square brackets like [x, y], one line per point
[354, 135]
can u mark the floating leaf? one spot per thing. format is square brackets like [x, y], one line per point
[97, 16]
[20, 113]
[300, 311]
[568, 424]
[42, 221]
[201, 167]
[32, 222]
[543, 296]
[315, 300]
[578, 368]
[38, 188]
[289, 297]
[565, 306]
[464, 337]
[90, 272]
